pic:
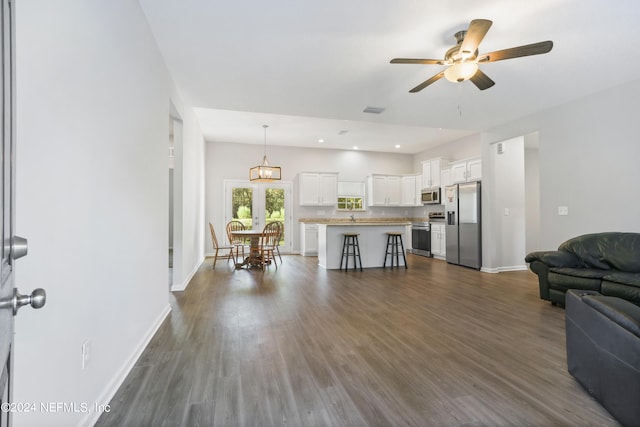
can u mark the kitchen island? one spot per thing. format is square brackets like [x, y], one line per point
[372, 241]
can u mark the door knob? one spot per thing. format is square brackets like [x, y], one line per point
[37, 299]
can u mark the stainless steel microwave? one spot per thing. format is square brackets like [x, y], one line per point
[431, 196]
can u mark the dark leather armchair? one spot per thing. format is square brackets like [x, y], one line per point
[603, 351]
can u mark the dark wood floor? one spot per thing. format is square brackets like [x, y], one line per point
[433, 345]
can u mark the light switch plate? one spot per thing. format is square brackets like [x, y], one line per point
[563, 210]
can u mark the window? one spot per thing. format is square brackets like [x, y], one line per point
[351, 203]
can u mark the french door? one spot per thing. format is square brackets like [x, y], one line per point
[257, 204]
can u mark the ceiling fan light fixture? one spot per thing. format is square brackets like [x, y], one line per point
[460, 71]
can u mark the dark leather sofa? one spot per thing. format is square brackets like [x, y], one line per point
[603, 351]
[608, 263]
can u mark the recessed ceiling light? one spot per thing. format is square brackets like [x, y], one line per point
[355, 147]
[397, 145]
[321, 140]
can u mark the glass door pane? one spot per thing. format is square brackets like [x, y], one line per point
[274, 199]
[242, 205]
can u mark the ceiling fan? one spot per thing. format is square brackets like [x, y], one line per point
[463, 59]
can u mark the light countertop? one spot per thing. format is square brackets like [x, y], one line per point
[358, 221]
[365, 223]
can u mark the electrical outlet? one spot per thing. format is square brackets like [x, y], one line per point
[563, 210]
[506, 211]
[86, 353]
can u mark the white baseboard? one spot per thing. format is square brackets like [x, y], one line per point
[110, 390]
[179, 287]
[503, 269]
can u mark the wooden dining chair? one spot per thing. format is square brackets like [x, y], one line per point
[268, 243]
[280, 236]
[238, 243]
[217, 247]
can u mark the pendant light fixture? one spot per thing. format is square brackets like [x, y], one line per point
[264, 172]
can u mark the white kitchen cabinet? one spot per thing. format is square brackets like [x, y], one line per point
[412, 190]
[468, 170]
[431, 172]
[309, 239]
[350, 189]
[318, 188]
[438, 241]
[384, 190]
[445, 177]
[474, 168]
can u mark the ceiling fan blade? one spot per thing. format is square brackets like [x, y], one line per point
[475, 33]
[417, 61]
[427, 82]
[481, 80]
[517, 52]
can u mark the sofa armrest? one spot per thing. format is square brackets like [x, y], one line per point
[542, 271]
[554, 258]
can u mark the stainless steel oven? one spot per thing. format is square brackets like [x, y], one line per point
[421, 238]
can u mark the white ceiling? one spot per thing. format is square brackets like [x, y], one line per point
[308, 68]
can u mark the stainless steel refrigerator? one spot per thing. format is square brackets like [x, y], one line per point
[463, 228]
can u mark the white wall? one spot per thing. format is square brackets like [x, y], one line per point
[189, 218]
[92, 198]
[506, 214]
[232, 161]
[532, 192]
[588, 157]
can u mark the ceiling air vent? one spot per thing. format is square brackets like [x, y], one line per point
[373, 110]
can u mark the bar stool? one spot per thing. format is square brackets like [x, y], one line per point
[394, 241]
[350, 247]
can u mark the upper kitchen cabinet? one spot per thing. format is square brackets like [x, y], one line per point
[318, 188]
[411, 190]
[384, 190]
[350, 189]
[351, 196]
[445, 177]
[467, 170]
[431, 172]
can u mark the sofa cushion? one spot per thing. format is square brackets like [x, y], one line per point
[622, 285]
[618, 310]
[606, 251]
[559, 278]
[631, 279]
[587, 273]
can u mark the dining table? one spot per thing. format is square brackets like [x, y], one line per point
[254, 259]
